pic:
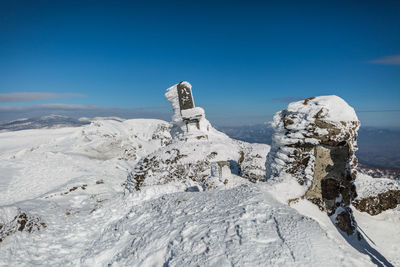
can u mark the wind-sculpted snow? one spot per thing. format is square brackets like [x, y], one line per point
[242, 226]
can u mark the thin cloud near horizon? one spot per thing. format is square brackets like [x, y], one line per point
[34, 96]
[388, 60]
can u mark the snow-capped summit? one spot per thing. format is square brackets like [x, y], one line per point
[147, 192]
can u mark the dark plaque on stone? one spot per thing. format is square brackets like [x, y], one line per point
[185, 97]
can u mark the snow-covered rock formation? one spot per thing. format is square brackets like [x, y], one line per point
[195, 146]
[315, 141]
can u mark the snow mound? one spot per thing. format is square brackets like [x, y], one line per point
[332, 108]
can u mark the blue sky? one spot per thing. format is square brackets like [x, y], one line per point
[245, 59]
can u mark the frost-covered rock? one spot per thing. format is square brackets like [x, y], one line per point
[190, 162]
[252, 160]
[315, 141]
[375, 195]
[220, 174]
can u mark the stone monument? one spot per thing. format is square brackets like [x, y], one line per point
[188, 120]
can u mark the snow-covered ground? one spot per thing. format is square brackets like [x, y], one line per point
[73, 181]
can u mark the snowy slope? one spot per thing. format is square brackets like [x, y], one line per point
[36, 162]
[73, 181]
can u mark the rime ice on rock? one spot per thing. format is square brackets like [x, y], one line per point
[220, 174]
[314, 141]
[189, 121]
[221, 169]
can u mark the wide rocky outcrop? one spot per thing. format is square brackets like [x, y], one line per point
[314, 142]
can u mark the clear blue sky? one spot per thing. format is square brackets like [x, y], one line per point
[245, 59]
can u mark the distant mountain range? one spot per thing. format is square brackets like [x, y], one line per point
[378, 147]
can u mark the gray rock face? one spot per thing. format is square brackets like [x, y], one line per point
[331, 178]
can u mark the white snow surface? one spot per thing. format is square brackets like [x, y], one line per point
[368, 186]
[334, 108]
[73, 180]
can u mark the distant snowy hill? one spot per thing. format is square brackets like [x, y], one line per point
[66, 198]
[50, 121]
